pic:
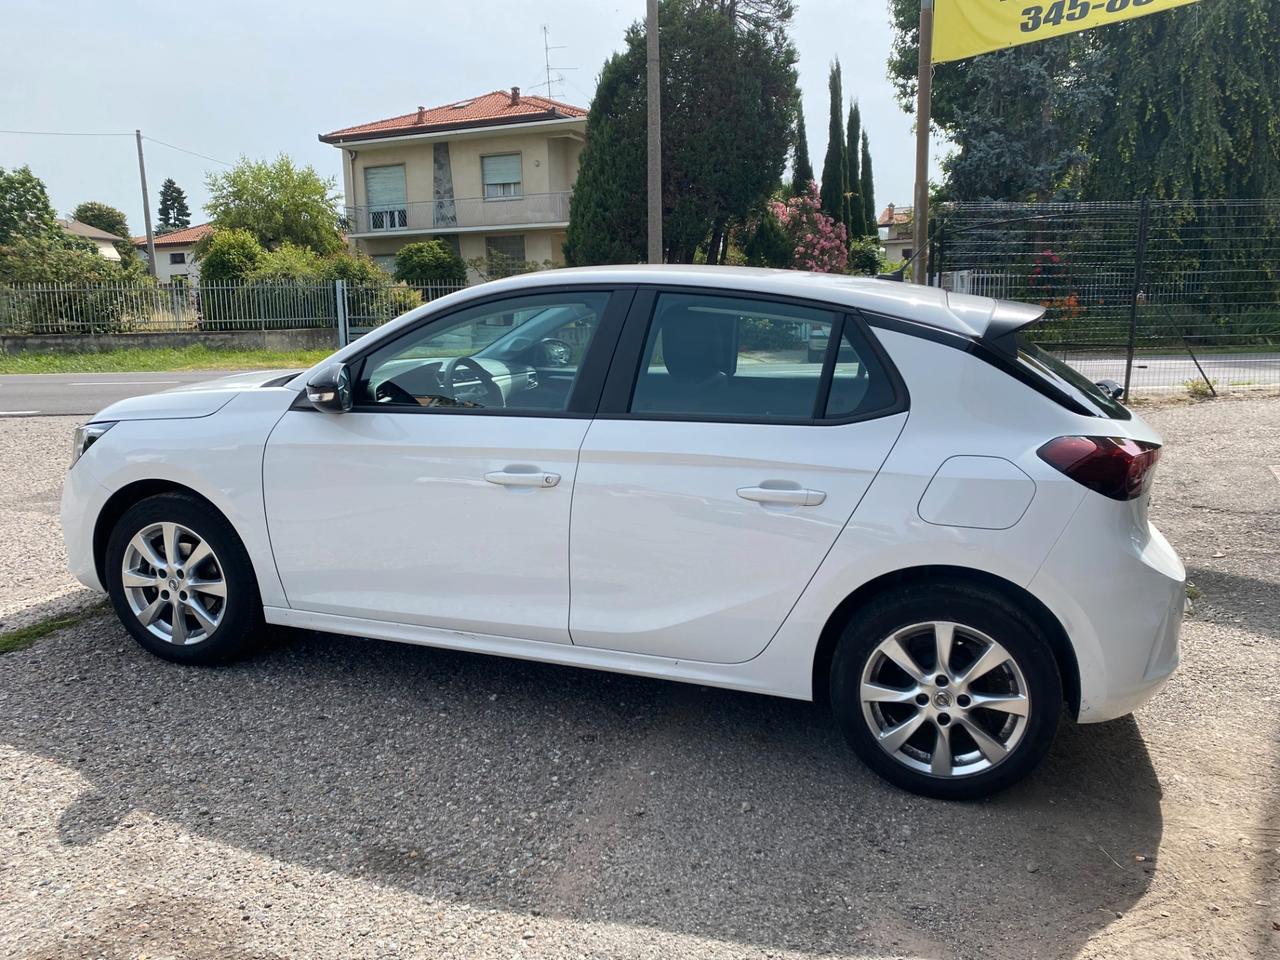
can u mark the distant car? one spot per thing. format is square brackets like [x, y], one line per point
[804, 485]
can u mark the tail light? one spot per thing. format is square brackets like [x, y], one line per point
[1115, 467]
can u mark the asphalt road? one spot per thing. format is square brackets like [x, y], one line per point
[83, 394]
[1172, 371]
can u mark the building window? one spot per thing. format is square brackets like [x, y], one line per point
[385, 194]
[501, 175]
[505, 254]
[387, 261]
[178, 258]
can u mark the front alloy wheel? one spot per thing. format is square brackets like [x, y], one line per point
[174, 584]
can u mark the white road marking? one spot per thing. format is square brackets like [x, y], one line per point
[1276, 470]
[121, 383]
[18, 413]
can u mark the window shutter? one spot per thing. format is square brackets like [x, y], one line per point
[384, 186]
[501, 169]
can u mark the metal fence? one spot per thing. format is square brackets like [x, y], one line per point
[86, 310]
[1155, 295]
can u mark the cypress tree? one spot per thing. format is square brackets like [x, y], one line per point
[857, 219]
[834, 166]
[867, 189]
[801, 168]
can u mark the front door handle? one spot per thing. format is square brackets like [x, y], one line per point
[521, 478]
[791, 496]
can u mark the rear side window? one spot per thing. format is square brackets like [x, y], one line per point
[737, 358]
[1069, 380]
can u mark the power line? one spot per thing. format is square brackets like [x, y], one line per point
[61, 133]
[192, 152]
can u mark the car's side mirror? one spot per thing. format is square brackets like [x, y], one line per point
[1112, 389]
[330, 389]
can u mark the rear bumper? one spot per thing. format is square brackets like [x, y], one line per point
[1119, 591]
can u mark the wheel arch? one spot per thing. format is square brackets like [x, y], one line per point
[1060, 644]
[124, 498]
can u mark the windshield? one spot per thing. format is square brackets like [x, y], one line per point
[1070, 380]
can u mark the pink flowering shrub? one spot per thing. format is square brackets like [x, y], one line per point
[821, 244]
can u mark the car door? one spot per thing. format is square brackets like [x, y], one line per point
[442, 498]
[735, 438]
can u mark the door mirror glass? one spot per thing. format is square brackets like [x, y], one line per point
[330, 389]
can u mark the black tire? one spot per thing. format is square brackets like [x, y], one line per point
[983, 616]
[239, 613]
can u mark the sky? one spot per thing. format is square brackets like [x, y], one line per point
[257, 79]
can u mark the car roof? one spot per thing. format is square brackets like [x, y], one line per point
[961, 314]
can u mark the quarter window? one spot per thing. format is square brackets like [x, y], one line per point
[501, 176]
[522, 354]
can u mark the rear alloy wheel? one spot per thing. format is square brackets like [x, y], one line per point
[956, 703]
[181, 581]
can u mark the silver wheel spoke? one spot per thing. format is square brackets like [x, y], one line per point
[199, 553]
[1011, 703]
[147, 615]
[132, 578]
[943, 635]
[991, 748]
[893, 738]
[214, 588]
[895, 651]
[147, 552]
[940, 764]
[991, 658]
[878, 693]
[169, 534]
[179, 625]
[198, 611]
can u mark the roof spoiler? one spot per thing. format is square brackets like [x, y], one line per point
[1007, 318]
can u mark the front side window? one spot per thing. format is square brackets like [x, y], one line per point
[501, 175]
[732, 358]
[522, 354]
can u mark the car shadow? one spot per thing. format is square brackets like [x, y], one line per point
[587, 796]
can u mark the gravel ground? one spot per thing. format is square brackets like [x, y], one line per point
[334, 798]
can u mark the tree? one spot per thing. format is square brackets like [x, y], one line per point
[867, 191]
[429, 262]
[1196, 106]
[835, 167]
[25, 210]
[801, 168]
[108, 218]
[230, 256]
[857, 215]
[173, 212]
[722, 60]
[1018, 117]
[769, 244]
[276, 201]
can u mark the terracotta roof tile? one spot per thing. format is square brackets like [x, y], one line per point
[484, 110]
[179, 238]
[892, 215]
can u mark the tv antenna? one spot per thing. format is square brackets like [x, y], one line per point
[557, 77]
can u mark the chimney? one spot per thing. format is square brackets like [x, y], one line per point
[515, 96]
[422, 114]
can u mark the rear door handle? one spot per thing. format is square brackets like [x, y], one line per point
[792, 496]
[519, 478]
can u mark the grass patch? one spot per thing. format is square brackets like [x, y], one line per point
[24, 637]
[140, 360]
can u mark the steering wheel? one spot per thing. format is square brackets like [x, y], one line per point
[449, 377]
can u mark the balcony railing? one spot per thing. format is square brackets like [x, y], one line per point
[461, 213]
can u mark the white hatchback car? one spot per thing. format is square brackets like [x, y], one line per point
[797, 484]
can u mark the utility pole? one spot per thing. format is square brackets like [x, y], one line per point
[924, 110]
[146, 205]
[655, 134]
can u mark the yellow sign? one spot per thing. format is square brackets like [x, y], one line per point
[963, 28]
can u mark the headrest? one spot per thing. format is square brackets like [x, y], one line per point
[697, 344]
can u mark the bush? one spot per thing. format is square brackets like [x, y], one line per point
[357, 269]
[288, 264]
[498, 265]
[769, 245]
[229, 256]
[865, 256]
[429, 262]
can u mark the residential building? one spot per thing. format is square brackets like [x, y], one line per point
[897, 238]
[491, 176]
[174, 252]
[105, 242]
